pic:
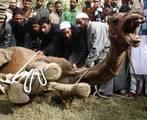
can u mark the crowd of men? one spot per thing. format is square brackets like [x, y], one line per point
[77, 33]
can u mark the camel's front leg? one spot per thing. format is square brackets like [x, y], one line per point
[52, 71]
[67, 92]
[16, 94]
[23, 84]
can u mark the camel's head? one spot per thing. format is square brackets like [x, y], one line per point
[123, 29]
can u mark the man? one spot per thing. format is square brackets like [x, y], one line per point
[139, 56]
[89, 10]
[12, 7]
[27, 9]
[70, 14]
[32, 40]
[69, 43]
[50, 7]
[98, 9]
[65, 45]
[98, 44]
[48, 34]
[18, 24]
[40, 9]
[114, 6]
[97, 38]
[55, 16]
[6, 37]
[125, 6]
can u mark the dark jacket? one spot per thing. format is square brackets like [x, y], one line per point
[74, 49]
[82, 48]
[19, 32]
[47, 40]
[6, 37]
[32, 41]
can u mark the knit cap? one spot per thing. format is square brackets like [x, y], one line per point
[4, 4]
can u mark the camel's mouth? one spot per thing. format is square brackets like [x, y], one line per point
[131, 27]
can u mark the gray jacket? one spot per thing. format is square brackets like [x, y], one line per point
[42, 12]
[98, 43]
[6, 37]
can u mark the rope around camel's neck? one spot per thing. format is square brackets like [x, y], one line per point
[105, 70]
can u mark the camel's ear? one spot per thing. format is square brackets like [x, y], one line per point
[116, 19]
[113, 20]
[109, 20]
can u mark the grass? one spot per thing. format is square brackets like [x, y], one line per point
[42, 108]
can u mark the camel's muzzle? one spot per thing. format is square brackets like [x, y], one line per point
[131, 27]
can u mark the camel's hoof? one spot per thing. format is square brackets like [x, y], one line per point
[52, 71]
[16, 94]
[67, 103]
[82, 89]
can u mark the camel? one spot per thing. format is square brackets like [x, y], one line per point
[122, 34]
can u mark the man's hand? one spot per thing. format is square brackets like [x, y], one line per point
[89, 64]
[40, 52]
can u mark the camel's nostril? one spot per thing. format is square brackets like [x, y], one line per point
[142, 19]
[136, 43]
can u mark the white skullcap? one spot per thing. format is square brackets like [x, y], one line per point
[65, 24]
[81, 15]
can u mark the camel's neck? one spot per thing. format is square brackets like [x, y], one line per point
[115, 58]
[105, 70]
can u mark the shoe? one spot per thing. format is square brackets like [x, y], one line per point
[130, 94]
[123, 91]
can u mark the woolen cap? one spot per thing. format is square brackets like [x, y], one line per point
[4, 4]
[81, 15]
[65, 24]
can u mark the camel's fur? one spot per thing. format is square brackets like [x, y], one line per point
[120, 38]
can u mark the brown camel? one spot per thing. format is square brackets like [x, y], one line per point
[122, 34]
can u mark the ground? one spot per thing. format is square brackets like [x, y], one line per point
[42, 108]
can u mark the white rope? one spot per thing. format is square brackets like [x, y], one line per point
[98, 94]
[19, 75]
[28, 80]
[30, 83]
[5, 81]
[16, 75]
[2, 89]
[32, 73]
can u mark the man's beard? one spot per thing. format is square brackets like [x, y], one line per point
[59, 12]
[43, 33]
[72, 7]
[88, 4]
[39, 6]
[84, 28]
[113, 4]
[20, 25]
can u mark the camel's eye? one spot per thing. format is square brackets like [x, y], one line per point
[115, 21]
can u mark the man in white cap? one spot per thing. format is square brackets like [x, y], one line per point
[6, 38]
[67, 45]
[98, 44]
